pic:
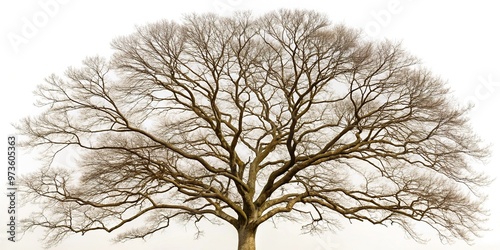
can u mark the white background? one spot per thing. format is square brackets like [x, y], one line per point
[458, 40]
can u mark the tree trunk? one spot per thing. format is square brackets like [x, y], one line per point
[246, 238]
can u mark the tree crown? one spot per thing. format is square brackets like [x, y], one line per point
[244, 119]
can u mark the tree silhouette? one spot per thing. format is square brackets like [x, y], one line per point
[243, 119]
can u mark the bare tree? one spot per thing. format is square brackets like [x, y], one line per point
[244, 119]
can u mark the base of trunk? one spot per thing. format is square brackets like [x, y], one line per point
[246, 238]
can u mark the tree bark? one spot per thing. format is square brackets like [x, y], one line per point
[246, 238]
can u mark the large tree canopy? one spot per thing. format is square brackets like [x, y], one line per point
[241, 119]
